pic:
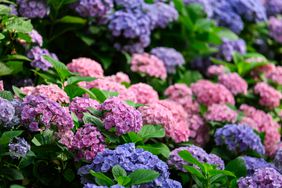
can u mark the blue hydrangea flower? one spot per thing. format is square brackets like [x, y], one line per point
[253, 163]
[278, 160]
[273, 7]
[204, 3]
[18, 148]
[229, 47]
[129, 4]
[238, 139]
[33, 8]
[7, 111]
[93, 8]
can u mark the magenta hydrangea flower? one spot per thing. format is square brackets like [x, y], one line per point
[86, 67]
[275, 28]
[209, 93]
[199, 131]
[276, 75]
[221, 113]
[149, 65]
[269, 97]
[216, 70]
[198, 153]
[79, 105]
[182, 94]
[119, 77]
[122, 117]
[145, 94]
[234, 83]
[87, 142]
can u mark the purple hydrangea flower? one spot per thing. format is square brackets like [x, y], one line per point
[121, 116]
[273, 7]
[204, 3]
[80, 105]
[197, 152]
[36, 37]
[253, 163]
[275, 28]
[238, 138]
[93, 8]
[129, 4]
[278, 160]
[38, 61]
[90, 185]
[17, 104]
[262, 177]
[39, 113]
[7, 111]
[33, 8]
[18, 148]
[229, 47]
[170, 57]
[131, 159]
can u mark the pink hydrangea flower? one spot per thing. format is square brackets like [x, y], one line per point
[52, 91]
[276, 75]
[209, 93]
[182, 94]
[144, 93]
[119, 77]
[249, 122]
[221, 113]
[86, 67]
[269, 97]
[1, 85]
[199, 132]
[149, 65]
[216, 70]
[265, 69]
[66, 138]
[235, 83]
[79, 105]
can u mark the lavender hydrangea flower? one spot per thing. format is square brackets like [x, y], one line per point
[121, 116]
[278, 160]
[170, 57]
[7, 111]
[93, 8]
[33, 8]
[238, 139]
[41, 113]
[80, 105]
[131, 159]
[18, 148]
[17, 104]
[273, 7]
[275, 28]
[253, 163]
[38, 61]
[229, 47]
[262, 177]
[36, 37]
[129, 4]
[197, 152]
[204, 3]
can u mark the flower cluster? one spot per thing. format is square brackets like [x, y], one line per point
[229, 47]
[122, 117]
[36, 38]
[36, 55]
[216, 70]
[96, 8]
[197, 152]
[144, 93]
[33, 8]
[275, 28]
[18, 148]
[238, 139]
[234, 83]
[253, 163]
[275, 75]
[131, 159]
[79, 105]
[273, 7]
[119, 77]
[7, 111]
[199, 131]
[221, 113]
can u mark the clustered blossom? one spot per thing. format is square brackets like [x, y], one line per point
[220, 113]
[1, 85]
[79, 105]
[122, 117]
[204, 3]
[93, 8]
[52, 91]
[198, 153]
[119, 77]
[262, 177]
[33, 8]
[275, 28]
[18, 147]
[278, 160]
[145, 94]
[253, 163]
[86, 67]
[170, 57]
[36, 37]
[87, 142]
[17, 104]
[209, 93]
[36, 55]
[7, 111]
[234, 83]
[269, 97]
[182, 94]
[130, 159]
[229, 47]
[199, 131]
[273, 7]
[238, 139]
[216, 70]
[275, 75]
[41, 113]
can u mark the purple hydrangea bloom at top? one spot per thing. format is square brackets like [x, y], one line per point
[238, 139]
[253, 163]
[36, 37]
[122, 117]
[262, 177]
[41, 113]
[204, 3]
[197, 152]
[169, 56]
[278, 160]
[7, 111]
[131, 159]
[38, 61]
[93, 8]
[229, 47]
[33, 8]
[275, 28]
[273, 7]
[129, 4]
[18, 148]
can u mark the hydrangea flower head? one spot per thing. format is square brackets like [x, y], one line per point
[199, 131]
[253, 163]
[33, 8]
[234, 83]
[216, 70]
[119, 77]
[18, 148]
[221, 113]
[93, 8]
[36, 37]
[275, 75]
[229, 47]
[79, 105]
[7, 111]
[144, 93]
[275, 28]
[273, 7]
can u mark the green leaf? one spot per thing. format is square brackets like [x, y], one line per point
[17, 186]
[237, 166]
[100, 95]
[60, 67]
[227, 34]
[11, 174]
[190, 77]
[16, 57]
[7, 95]
[76, 79]
[141, 176]
[72, 20]
[157, 149]
[95, 112]
[1, 35]
[74, 91]
[18, 92]
[9, 135]
[123, 180]
[5, 70]
[69, 175]
[103, 179]
[152, 131]
[190, 159]
[18, 24]
[4, 10]
[133, 104]
[88, 118]
[15, 66]
[194, 171]
[118, 171]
